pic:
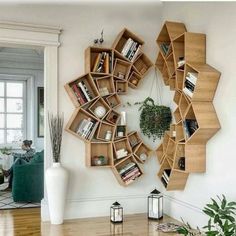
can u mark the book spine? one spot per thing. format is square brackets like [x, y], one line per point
[107, 64]
[163, 181]
[82, 124]
[101, 63]
[123, 170]
[187, 92]
[96, 62]
[164, 177]
[131, 179]
[76, 92]
[84, 91]
[186, 131]
[130, 49]
[191, 78]
[127, 46]
[136, 53]
[88, 127]
[89, 130]
[110, 63]
[132, 173]
[129, 171]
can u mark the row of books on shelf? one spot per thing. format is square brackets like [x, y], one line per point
[190, 126]
[166, 48]
[166, 177]
[129, 172]
[86, 128]
[82, 92]
[131, 49]
[103, 63]
[181, 63]
[190, 82]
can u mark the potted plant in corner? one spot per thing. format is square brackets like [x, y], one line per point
[56, 176]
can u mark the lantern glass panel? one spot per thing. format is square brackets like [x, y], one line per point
[116, 214]
[155, 206]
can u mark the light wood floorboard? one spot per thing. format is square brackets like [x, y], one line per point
[27, 222]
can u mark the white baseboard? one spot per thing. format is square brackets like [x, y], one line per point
[190, 213]
[95, 207]
[100, 206]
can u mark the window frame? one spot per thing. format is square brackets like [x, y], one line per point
[6, 78]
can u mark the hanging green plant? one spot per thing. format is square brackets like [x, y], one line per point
[154, 119]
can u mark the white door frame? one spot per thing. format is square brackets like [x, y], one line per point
[14, 34]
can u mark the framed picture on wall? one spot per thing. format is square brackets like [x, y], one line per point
[41, 112]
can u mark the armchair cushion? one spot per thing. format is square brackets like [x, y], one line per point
[28, 179]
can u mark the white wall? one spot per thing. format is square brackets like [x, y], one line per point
[91, 191]
[217, 21]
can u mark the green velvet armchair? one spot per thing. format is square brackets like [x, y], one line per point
[28, 180]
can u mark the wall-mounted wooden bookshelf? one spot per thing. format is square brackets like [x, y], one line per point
[109, 73]
[182, 63]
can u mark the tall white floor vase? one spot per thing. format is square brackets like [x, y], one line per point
[56, 184]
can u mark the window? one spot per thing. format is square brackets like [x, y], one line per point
[12, 111]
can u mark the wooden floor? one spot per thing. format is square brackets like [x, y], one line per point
[27, 222]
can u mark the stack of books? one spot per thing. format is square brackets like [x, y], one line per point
[190, 126]
[103, 63]
[181, 63]
[121, 153]
[166, 48]
[82, 92]
[130, 49]
[166, 177]
[190, 82]
[129, 172]
[86, 128]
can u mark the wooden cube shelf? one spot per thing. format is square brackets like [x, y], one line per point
[100, 102]
[119, 145]
[177, 96]
[82, 90]
[183, 105]
[102, 131]
[141, 151]
[127, 177]
[142, 64]
[113, 117]
[121, 40]
[172, 83]
[76, 126]
[177, 115]
[113, 100]
[182, 63]
[94, 150]
[134, 139]
[207, 121]
[206, 83]
[170, 65]
[121, 87]
[121, 69]
[179, 79]
[98, 60]
[105, 85]
[134, 79]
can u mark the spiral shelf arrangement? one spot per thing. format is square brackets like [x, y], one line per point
[96, 95]
[182, 63]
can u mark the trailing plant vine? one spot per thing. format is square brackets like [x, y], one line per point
[154, 119]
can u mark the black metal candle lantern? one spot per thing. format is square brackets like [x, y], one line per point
[116, 213]
[155, 205]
